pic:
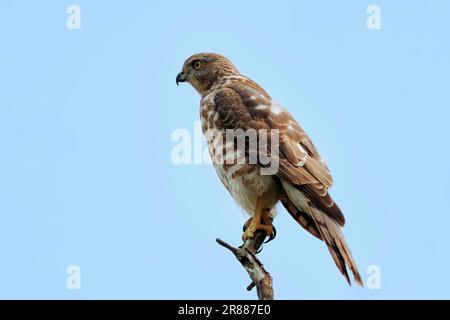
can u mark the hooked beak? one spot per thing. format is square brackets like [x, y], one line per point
[181, 77]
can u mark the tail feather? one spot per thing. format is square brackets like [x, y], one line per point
[323, 227]
[303, 219]
[333, 237]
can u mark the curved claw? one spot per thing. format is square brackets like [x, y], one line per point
[260, 249]
[272, 235]
[246, 224]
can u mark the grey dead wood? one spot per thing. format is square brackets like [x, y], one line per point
[246, 255]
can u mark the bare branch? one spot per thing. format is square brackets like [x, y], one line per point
[246, 255]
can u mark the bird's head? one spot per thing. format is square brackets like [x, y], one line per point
[202, 70]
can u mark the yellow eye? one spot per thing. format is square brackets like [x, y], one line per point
[197, 65]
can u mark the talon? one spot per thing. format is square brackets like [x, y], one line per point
[247, 223]
[258, 222]
[272, 235]
[260, 249]
[248, 233]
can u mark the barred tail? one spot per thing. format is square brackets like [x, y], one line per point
[323, 227]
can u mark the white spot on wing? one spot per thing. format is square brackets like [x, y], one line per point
[276, 108]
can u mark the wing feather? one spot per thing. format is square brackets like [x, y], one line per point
[305, 177]
[244, 106]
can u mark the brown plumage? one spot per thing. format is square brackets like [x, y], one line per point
[231, 101]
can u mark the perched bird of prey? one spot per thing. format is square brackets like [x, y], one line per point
[231, 101]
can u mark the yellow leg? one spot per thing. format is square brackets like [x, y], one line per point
[260, 221]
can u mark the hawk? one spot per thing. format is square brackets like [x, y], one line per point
[231, 101]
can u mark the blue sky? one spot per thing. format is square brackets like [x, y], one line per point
[86, 118]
